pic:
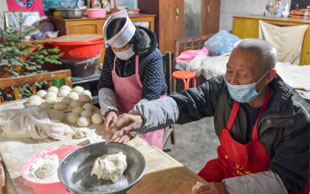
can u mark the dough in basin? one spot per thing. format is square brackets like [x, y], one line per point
[110, 166]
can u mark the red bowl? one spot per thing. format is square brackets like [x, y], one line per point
[80, 49]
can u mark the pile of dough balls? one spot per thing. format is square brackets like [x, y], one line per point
[83, 114]
[79, 100]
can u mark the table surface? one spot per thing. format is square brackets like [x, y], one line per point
[163, 173]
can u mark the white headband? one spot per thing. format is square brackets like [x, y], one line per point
[124, 35]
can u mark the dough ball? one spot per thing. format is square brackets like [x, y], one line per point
[72, 118]
[86, 92]
[51, 94]
[65, 87]
[96, 118]
[78, 89]
[35, 100]
[55, 114]
[81, 133]
[46, 106]
[60, 106]
[88, 106]
[83, 122]
[85, 98]
[53, 89]
[63, 93]
[51, 100]
[77, 110]
[86, 113]
[73, 95]
[41, 93]
[76, 103]
[66, 100]
[198, 184]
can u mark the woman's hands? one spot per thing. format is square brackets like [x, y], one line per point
[118, 130]
[109, 121]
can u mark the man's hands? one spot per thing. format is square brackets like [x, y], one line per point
[123, 125]
[211, 188]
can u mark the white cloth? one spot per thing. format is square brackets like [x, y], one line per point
[124, 35]
[297, 76]
[32, 122]
[287, 40]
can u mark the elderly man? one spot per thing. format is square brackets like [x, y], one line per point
[262, 123]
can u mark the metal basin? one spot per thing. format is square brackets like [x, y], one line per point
[74, 170]
[71, 12]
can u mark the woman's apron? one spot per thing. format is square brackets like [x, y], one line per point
[128, 93]
[236, 159]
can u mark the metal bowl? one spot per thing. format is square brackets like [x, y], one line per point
[74, 170]
[71, 12]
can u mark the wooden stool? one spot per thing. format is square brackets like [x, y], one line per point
[186, 76]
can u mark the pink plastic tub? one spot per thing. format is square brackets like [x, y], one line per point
[48, 188]
[96, 13]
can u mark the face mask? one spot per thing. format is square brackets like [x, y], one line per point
[125, 55]
[244, 93]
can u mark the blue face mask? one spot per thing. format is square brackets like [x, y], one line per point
[244, 93]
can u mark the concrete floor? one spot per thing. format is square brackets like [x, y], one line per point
[195, 144]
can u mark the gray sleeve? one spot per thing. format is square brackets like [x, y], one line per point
[258, 183]
[156, 114]
[107, 101]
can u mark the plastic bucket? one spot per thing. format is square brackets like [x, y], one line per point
[96, 13]
[48, 188]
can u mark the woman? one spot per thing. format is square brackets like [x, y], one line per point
[132, 71]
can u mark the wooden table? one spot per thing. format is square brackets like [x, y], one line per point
[163, 173]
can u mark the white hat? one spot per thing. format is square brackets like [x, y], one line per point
[124, 35]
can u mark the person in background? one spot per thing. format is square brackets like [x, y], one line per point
[132, 71]
[262, 123]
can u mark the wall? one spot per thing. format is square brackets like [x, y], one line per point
[231, 8]
[192, 17]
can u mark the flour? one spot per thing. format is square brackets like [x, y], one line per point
[44, 170]
[110, 166]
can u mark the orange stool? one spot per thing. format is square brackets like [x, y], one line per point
[186, 76]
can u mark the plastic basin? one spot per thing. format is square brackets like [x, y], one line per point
[80, 49]
[48, 188]
[96, 13]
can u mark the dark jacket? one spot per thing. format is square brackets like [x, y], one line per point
[150, 67]
[283, 128]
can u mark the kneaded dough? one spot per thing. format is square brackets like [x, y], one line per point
[63, 92]
[83, 122]
[198, 184]
[53, 89]
[73, 95]
[50, 100]
[51, 95]
[66, 100]
[72, 118]
[86, 113]
[76, 103]
[65, 87]
[110, 166]
[41, 93]
[84, 98]
[44, 170]
[46, 106]
[35, 98]
[60, 106]
[96, 118]
[77, 110]
[79, 134]
[88, 106]
[78, 89]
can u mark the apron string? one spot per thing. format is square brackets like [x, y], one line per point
[233, 115]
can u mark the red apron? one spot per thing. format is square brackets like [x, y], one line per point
[236, 159]
[128, 93]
